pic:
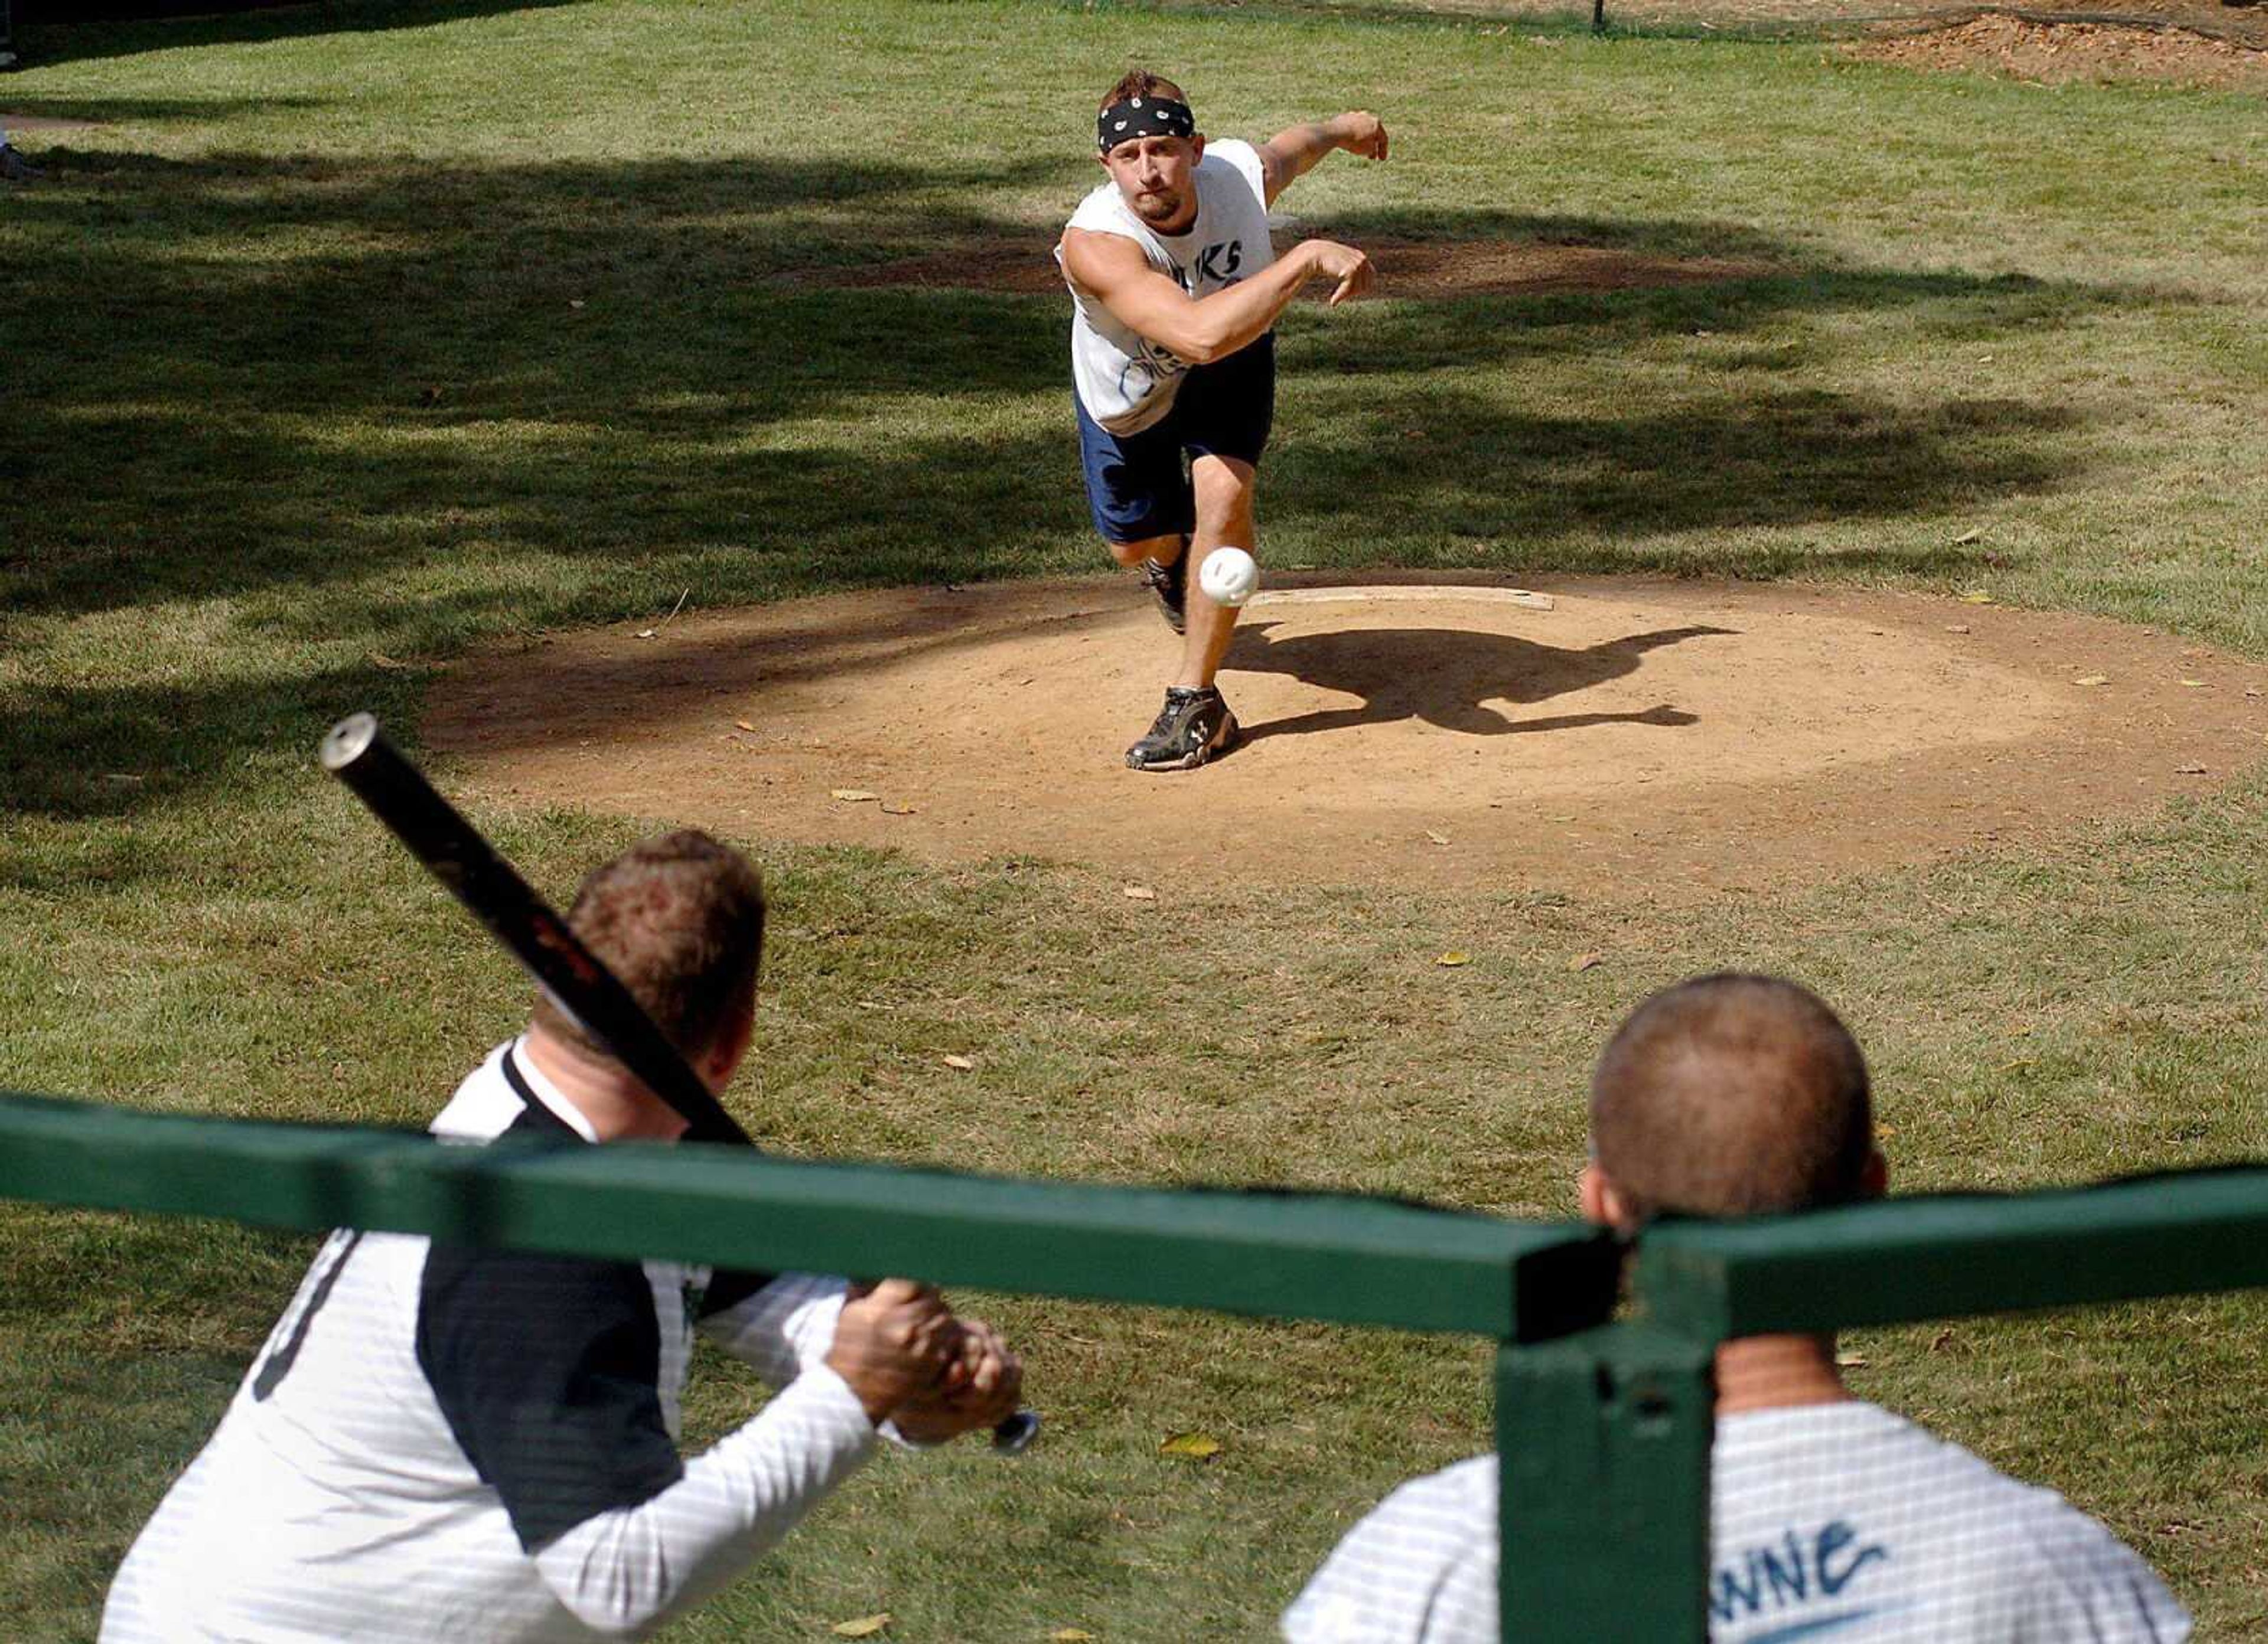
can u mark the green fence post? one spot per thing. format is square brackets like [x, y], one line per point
[1602, 1448]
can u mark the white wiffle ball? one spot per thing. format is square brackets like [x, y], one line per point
[1229, 577]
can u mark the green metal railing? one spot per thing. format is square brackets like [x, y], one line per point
[1603, 1427]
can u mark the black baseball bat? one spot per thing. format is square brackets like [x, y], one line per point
[492, 892]
[570, 975]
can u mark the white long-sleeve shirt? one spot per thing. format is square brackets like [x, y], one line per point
[446, 1442]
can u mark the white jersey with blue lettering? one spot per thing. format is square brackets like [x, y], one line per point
[1836, 1521]
[1125, 381]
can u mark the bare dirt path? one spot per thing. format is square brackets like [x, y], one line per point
[1406, 267]
[2209, 46]
[1638, 735]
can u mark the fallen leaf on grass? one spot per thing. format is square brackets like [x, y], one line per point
[2195, 685]
[1967, 537]
[742, 724]
[2021, 1061]
[962, 1062]
[1885, 1130]
[1454, 957]
[2188, 770]
[2091, 679]
[1195, 1446]
[1587, 961]
[852, 795]
[1139, 893]
[863, 1628]
[890, 810]
[1439, 838]
[127, 778]
[379, 659]
[1070, 1635]
[645, 632]
[1851, 1361]
[1975, 597]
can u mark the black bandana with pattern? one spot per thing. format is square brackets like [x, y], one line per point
[1143, 117]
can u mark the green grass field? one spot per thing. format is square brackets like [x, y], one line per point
[341, 340]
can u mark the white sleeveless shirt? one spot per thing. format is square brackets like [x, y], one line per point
[1125, 381]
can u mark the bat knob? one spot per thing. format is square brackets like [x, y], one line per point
[348, 740]
[1015, 1436]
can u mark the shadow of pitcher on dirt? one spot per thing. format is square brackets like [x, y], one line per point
[1447, 677]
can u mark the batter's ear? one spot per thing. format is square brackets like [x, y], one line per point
[1197, 143]
[1590, 1189]
[722, 1059]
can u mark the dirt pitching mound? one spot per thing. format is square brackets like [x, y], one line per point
[1635, 736]
[1422, 269]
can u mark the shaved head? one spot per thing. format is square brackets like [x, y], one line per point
[1730, 1096]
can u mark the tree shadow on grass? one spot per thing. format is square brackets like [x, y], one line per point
[71, 31]
[591, 361]
[1449, 677]
[1759, 455]
[406, 408]
[20, 115]
[77, 752]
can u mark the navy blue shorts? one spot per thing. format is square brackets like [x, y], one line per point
[1138, 485]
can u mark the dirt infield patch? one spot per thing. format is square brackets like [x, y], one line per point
[2058, 52]
[1655, 735]
[1406, 268]
[19, 123]
[2243, 21]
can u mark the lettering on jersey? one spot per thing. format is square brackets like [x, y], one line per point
[1140, 377]
[1796, 1569]
[1220, 263]
[1216, 265]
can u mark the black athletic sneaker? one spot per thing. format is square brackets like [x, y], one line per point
[1171, 584]
[1190, 729]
